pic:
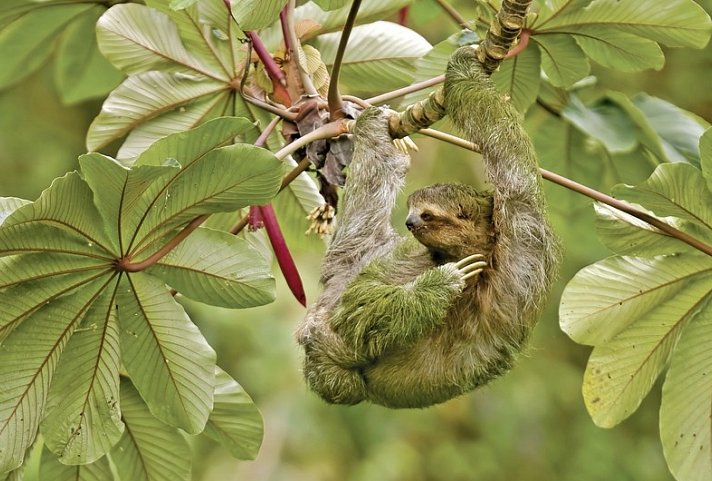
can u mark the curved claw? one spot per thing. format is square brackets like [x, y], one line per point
[463, 262]
[471, 274]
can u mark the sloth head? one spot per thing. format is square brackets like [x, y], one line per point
[451, 220]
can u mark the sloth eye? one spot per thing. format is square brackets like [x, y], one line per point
[426, 216]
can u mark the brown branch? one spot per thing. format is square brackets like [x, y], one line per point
[336, 107]
[589, 192]
[385, 97]
[453, 14]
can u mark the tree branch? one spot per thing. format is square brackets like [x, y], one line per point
[336, 111]
[453, 14]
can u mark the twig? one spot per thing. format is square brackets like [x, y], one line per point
[336, 111]
[379, 99]
[589, 192]
[454, 14]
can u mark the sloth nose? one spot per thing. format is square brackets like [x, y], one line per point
[411, 222]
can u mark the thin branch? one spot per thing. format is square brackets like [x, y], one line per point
[589, 192]
[385, 97]
[125, 264]
[292, 44]
[284, 113]
[453, 14]
[260, 142]
[336, 111]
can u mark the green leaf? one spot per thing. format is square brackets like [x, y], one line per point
[685, 411]
[562, 59]
[29, 358]
[604, 121]
[66, 206]
[27, 42]
[628, 235]
[676, 190]
[675, 23]
[706, 157]
[186, 117]
[235, 421]
[138, 39]
[182, 4]
[8, 205]
[186, 147]
[225, 179]
[519, 78]
[82, 421]
[619, 50]
[197, 31]
[149, 450]
[256, 14]
[431, 65]
[603, 299]
[36, 279]
[328, 5]
[633, 310]
[553, 8]
[81, 71]
[52, 469]
[144, 96]
[380, 57]
[167, 358]
[219, 269]
[679, 133]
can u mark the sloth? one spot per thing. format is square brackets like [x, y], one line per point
[414, 321]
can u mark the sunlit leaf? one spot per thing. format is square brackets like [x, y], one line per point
[628, 235]
[633, 310]
[706, 157]
[149, 450]
[235, 421]
[52, 469]
[8, 205]
[142, 97]
[380, 57]
[685, 411]
[676, 23]
[219, 269]
[677, 190]
[139, 39]
[331, 4]
[82, 420]
[256, 14]
[166, 356]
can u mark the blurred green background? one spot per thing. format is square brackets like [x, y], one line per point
[530, 425]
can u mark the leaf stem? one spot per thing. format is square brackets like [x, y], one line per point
[394, 94]
[125, 265]
[336, 107]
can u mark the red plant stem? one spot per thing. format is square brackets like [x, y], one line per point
[284, 22]
[281, 252]
[271, 67]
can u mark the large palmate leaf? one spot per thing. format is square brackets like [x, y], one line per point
[235, 421]
[72, 299]
[618, 34]
[648, 308]
[380, 56]
[149, 450]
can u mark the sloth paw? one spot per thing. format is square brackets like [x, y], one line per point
[470, 266]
